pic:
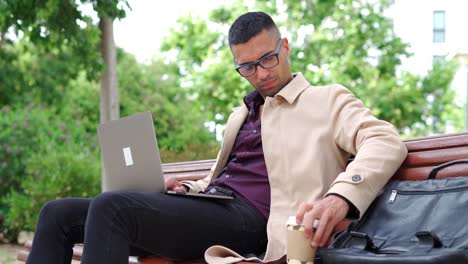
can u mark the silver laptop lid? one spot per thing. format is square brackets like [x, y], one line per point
[130, 154]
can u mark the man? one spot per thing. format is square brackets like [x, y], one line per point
[285, 152]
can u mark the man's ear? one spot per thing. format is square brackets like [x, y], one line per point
[286, 46]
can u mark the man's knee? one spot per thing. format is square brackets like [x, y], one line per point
[112, 210]
[107, 204]
[53, 212]
[64, 212]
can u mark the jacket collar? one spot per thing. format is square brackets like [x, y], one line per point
[294, 88]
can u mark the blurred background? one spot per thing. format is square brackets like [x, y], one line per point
[66, 66]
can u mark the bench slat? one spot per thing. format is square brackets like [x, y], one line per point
[434, 157]
[421, 173]
[188, 165]
[437, 142]
[425, 153]
[188, 170]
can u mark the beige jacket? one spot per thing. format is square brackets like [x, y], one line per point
[308, 134]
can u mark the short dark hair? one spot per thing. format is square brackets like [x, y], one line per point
[249, 25]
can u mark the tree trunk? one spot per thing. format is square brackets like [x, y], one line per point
[109, 85]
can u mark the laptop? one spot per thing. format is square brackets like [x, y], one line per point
[131, 158]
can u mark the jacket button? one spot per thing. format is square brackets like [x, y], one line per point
[356, 178]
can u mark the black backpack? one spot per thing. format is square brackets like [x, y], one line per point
[410, 222]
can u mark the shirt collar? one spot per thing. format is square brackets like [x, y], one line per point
[294, 88]
[252, 101]
[289, 92]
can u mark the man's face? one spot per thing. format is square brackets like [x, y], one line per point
[267, 82]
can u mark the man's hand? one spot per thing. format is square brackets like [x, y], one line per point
[174, 185]
[328, 212]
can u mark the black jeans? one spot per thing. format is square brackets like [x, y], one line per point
[116, 225]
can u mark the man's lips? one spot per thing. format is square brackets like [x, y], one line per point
[267, 85]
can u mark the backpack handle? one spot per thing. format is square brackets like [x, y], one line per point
[436, 169]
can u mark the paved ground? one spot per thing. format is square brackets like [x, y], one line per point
[8, 253]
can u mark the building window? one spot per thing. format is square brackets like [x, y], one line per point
[438, 26]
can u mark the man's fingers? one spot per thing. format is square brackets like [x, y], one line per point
[172, 184]
[309, 218]
[328, 212]
[180, 189]
[327, 234]
[303, 209]
[324, 229]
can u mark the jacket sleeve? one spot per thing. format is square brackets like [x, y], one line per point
[200, 185]
[378, 149]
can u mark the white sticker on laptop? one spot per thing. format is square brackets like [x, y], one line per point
[128, 156]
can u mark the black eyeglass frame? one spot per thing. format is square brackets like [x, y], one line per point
[259, 61]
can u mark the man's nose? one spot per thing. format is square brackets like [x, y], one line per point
[262, 73]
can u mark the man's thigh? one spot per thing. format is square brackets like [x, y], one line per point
[184, 227]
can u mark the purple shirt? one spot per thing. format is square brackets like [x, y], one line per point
[246, 173]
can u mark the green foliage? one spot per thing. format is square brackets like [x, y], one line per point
[440, 114]
[57, 26]
[21, 133]
[209, 75]
[9, 74]
[44, 156]
[81, 102]
[58, 171]
[34, 75]
[109, 8]
[30, 130]
[62, 35]
[156, 88]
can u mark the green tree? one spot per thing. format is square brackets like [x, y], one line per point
[58, 25]
[155, 87]
[50, 24]
[181, 130]
[34, 75]
[340, 41]
[56, 171]
[35, 131]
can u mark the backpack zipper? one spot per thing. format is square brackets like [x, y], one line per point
[394, 193]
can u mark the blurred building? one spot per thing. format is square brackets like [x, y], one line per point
[434, 28]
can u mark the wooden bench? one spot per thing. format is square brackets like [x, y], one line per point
[423, 154]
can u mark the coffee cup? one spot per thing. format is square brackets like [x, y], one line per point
[299, 249]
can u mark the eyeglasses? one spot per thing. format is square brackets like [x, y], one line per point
[267, 62]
